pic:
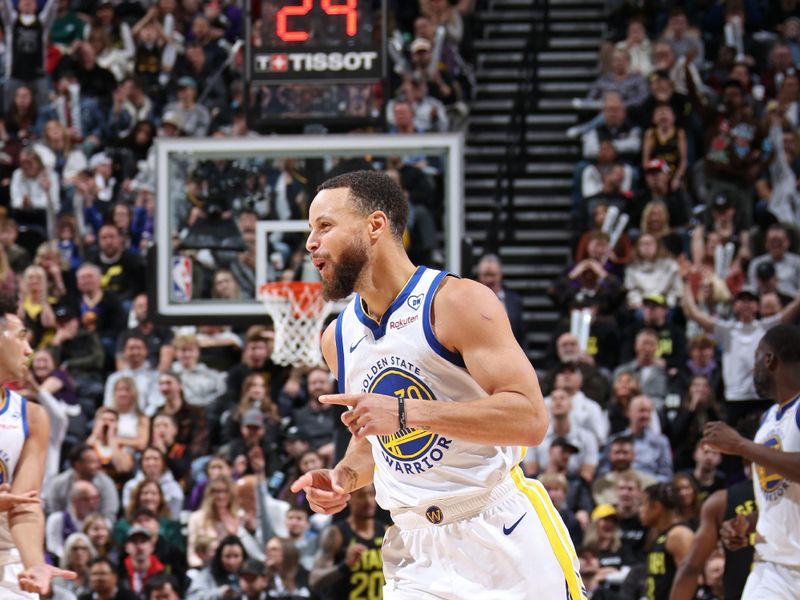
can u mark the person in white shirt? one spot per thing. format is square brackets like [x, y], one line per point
[134, 355]
[586, 413]
[201, 386]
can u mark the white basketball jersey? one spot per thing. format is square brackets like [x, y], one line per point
[13, 433]
[400, 356]
[778, 498]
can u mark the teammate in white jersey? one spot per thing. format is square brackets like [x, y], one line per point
[775, 453]
[24, 430]
[443, 401]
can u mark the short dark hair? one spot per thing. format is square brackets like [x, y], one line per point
[158, 581]
[143, 512]
[371, 191]
[103, 560]
[663, 493]
[134, 335]
[76, 454]
[784, 341]
[621, 439]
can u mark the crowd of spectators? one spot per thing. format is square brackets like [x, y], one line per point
[172, 449]
[686, 206]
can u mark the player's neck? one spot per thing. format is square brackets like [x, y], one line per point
[382, 282]
[787, 388]
[665, 521]
[364, 526]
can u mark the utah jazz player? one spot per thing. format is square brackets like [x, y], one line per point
[673, 539]
[443, 402]
[24, 430]
[775, 453]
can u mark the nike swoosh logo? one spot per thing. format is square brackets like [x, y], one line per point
[508, 530]
[354, 346]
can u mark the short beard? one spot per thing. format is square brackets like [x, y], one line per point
[346, 272]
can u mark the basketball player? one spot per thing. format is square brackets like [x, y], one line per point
[349, 563]
[443, 401]
[24, 431]
[775, 452]
[720, 506]
[659, 511]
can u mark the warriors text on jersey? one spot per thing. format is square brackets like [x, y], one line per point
[13, 433]
[401, 357]
[778, 499]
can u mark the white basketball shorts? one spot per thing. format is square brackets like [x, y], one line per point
[507, 543]
[773, 581]
[9, 585]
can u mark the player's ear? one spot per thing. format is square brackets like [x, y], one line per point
[378, 224]
[770, 360]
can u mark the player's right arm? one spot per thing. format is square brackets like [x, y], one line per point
[704, 543]
[328, 490]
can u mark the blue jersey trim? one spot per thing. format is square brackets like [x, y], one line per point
[378, 329]
[6, 401]
[339, 353]
[24, 411]
[781, 410]
[430, 336]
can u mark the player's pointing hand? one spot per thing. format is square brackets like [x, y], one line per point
[370, 414]
[37, 579]
[324, 490]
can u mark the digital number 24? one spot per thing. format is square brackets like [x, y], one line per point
[349, 10]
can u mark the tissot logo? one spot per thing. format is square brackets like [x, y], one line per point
[400, 323]
[304, 62]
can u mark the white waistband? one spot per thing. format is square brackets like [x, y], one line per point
[448, 510]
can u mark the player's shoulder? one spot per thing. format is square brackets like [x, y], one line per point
[464, 296]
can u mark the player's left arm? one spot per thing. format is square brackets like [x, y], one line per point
[469, 319]
[26, 521]
[678, 542]
[727, 440]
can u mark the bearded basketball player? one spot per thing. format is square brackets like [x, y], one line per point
[442, 401]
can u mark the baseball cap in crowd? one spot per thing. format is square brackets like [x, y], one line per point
[171, 117]
[657, 299]
[603, 511]
[766, 270]
[101, 158]
[138, 530]
[420, 44]
[565, 443]
[187, 81]
[747, 292]
[253, 417]
[253, 567]
[721, 202]
[294, 433]
[656, 164]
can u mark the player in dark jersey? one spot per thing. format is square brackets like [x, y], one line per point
[659, 511]
[349, 564]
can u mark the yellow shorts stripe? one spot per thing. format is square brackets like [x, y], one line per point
[534, 485]
[554, 529]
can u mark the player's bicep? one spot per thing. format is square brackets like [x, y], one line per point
[705, 540]
[30, 467]
[471, 319]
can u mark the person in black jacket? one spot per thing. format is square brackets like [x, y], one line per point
[490, 274]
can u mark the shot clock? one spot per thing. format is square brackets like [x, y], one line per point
[307, 41]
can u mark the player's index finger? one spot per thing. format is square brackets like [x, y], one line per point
[301, 483]
[340, 399]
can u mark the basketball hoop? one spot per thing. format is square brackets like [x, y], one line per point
[298, 312]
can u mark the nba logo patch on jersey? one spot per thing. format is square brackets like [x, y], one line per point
[408, 451]
[772, 484]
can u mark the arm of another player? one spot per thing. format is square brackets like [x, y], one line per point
[26, 521]
[727, 440]
[327, 573]
[679, 541]
[705, 542]
[328, 490]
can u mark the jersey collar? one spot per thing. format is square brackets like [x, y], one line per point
[378, 328]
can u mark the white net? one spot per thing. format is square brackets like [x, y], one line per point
[298, 312]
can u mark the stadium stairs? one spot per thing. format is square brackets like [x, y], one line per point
[567, 64]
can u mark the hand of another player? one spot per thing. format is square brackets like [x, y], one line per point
[353, 554]
[324, 490]
[9, 500]
[722, 437]
[371, 414]
[734, 533]
[37, 579]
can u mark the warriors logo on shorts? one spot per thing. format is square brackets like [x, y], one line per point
[772, 484]
[410, 450]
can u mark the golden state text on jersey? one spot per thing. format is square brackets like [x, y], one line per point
[409, 450]
[397, 356]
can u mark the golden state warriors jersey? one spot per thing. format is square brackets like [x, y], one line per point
[401, 357]
[13, 433]
[778, 499]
